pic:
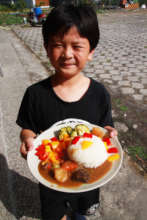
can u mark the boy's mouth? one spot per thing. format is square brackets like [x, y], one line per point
[67, 64]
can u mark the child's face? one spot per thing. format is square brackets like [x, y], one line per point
[69, 53]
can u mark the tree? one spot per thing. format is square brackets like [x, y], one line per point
[20, 4]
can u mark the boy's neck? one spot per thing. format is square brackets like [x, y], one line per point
[71, 89]
[64, 81]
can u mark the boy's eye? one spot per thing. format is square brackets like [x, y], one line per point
[57, 45]
[77, 46]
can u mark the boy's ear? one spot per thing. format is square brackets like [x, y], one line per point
[90, 55]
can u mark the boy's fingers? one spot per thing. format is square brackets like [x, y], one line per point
[30, 144]
[23, 150]
[112, 131]
[25, 147]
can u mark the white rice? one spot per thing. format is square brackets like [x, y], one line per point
[91, 157]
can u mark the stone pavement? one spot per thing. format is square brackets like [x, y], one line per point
[120, 60]
[19, 195]
[123, 198]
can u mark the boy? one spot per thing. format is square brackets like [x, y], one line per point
[70, 36]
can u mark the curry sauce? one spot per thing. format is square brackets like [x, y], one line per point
[95, 174]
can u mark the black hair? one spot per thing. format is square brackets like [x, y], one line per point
[62, 18]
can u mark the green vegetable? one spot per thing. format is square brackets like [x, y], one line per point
[74, 133]
[63, 129]
[81, 129]
[69, 130]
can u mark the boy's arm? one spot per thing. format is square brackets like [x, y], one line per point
[27, 136]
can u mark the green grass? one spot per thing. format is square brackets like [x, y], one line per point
[137, 152]
[100, 11]
[7, 19]
[119, 105]
[117, 102]
[123, 108]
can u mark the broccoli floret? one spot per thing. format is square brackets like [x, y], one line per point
[81, 129]
[69, 130]
[74, 133]
[63, 129]
[62, 133]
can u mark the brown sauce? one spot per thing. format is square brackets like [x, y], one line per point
[95, 174]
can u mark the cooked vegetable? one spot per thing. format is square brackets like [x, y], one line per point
[74, 133]
[54, 155]
[88, 135]
[61, 175]
[107, 140]
[113, 150]
[64, 132]
[69, 129]
[41, 153]
[69, 165]
[63, 129]
[97, 132]
[81, 129]
[113, 157]
[63, 135]
[75, 140]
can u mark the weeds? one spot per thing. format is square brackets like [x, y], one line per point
[137, 152]
[8, 19]
[123, 108]
[119, 105]
[117, 102]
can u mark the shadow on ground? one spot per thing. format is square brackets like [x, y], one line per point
[18, 194]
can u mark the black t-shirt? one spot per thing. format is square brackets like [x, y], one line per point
[41, 107]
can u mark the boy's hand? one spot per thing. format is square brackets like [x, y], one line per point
[112, 131]
[26, 146]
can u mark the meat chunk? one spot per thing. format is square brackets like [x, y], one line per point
[81, 174]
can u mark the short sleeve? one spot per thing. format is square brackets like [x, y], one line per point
[106, 118]
[26, 118]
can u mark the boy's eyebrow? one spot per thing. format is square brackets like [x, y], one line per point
[62, 41]
[78, 42]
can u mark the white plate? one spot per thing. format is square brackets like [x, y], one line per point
[33, 160]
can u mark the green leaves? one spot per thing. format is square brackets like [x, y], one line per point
[121, 106]
[9, 19]
[137, 152]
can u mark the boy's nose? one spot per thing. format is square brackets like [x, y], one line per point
[68, 52]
